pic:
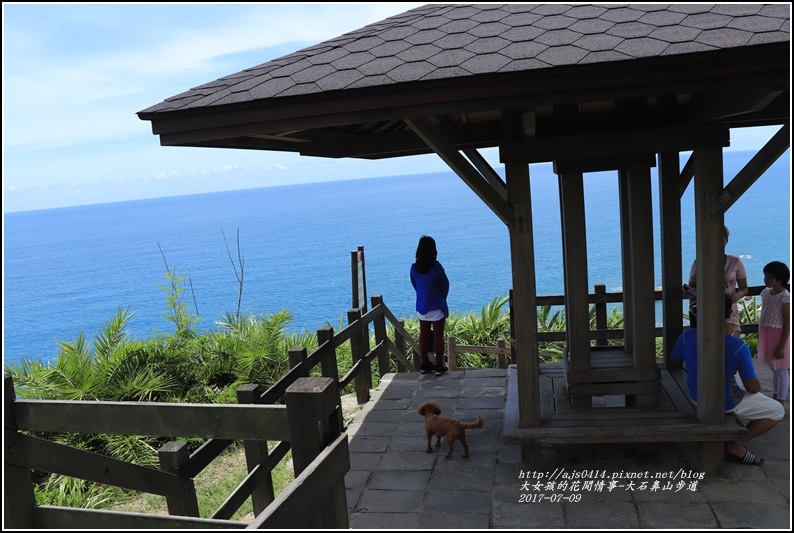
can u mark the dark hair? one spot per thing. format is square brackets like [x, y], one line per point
[779, 271]
[425, 254]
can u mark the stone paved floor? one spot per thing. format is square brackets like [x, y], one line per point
[394, 484]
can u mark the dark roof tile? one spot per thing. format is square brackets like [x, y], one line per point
[446, 72]
[483, 64]
[558, 37]
[352, 60]
[554, 22]
[458, 40]
[424, 37]
[339, 79]
[724, 37]
[590, 26]
[642, 47]
[586, 12]
[738, 10]
[630, 30]
[389, 49]
[487, 46]
[411, 71]
[526, 49]
[662, 18]
[489, 29]
[593, 43]
[382, 66]
[449, 58]
[622, 14]
[438, 41]
[706, 21]
[418, 53]
[675, 34]
[518, 65]
[756, 24]
[562, 55]
[603, 56]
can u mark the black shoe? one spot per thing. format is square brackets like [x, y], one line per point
[441, 370]
[426, 367]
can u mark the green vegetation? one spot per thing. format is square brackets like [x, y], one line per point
[208, 367]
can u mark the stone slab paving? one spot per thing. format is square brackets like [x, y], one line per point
[394, 484]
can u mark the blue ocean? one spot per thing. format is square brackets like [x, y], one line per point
[69, 270]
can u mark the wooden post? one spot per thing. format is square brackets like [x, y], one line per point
[358, 350]
[296, 355]
[500, 343]
[709, 250]
[574, 242]
[399, 342]
[256, 451]
[328, 363]
[670, 224]
[380, 336]
[452, 346]
[173, 457]
[601, 312]
[18, 496]
[314, 413]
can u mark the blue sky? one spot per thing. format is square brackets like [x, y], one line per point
[75, 75]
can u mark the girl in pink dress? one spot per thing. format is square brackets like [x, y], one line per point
[774, 326]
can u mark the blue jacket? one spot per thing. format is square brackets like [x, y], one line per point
[432, 289]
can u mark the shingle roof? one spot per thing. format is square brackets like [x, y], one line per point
[439, 42]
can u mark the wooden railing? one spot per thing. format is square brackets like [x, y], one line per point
[315, 499]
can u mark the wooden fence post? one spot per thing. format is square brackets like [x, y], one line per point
[500, 343]
[256, 451]
[380, 336]
[314, 413]
[328, 363]
[601, 312]
[359, 350]
[399, 341]
[452, 347]
[18, 496]
[173, 456]
[296, 355]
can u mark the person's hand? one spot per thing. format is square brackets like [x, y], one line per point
[779, 352]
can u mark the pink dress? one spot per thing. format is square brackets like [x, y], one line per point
[770, 328]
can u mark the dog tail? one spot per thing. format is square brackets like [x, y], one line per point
[475, 425]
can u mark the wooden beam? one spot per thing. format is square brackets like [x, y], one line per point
[463, 168]
[749, 174]
[614, 144]
[487, 171]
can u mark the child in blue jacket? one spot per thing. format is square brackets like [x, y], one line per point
[432, 287]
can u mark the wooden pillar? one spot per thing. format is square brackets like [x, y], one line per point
[574, 246]
[671, 249]
[625, 255]
[643, 308]
[173, 456]
[709, 251]
[524, 308]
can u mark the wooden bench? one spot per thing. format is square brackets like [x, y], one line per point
[672, 419]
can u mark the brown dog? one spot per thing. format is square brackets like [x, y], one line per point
[448, 427]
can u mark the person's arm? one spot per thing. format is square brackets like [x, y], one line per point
[786, 312]
[742, 291]
[692, 278]
[752, 385]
